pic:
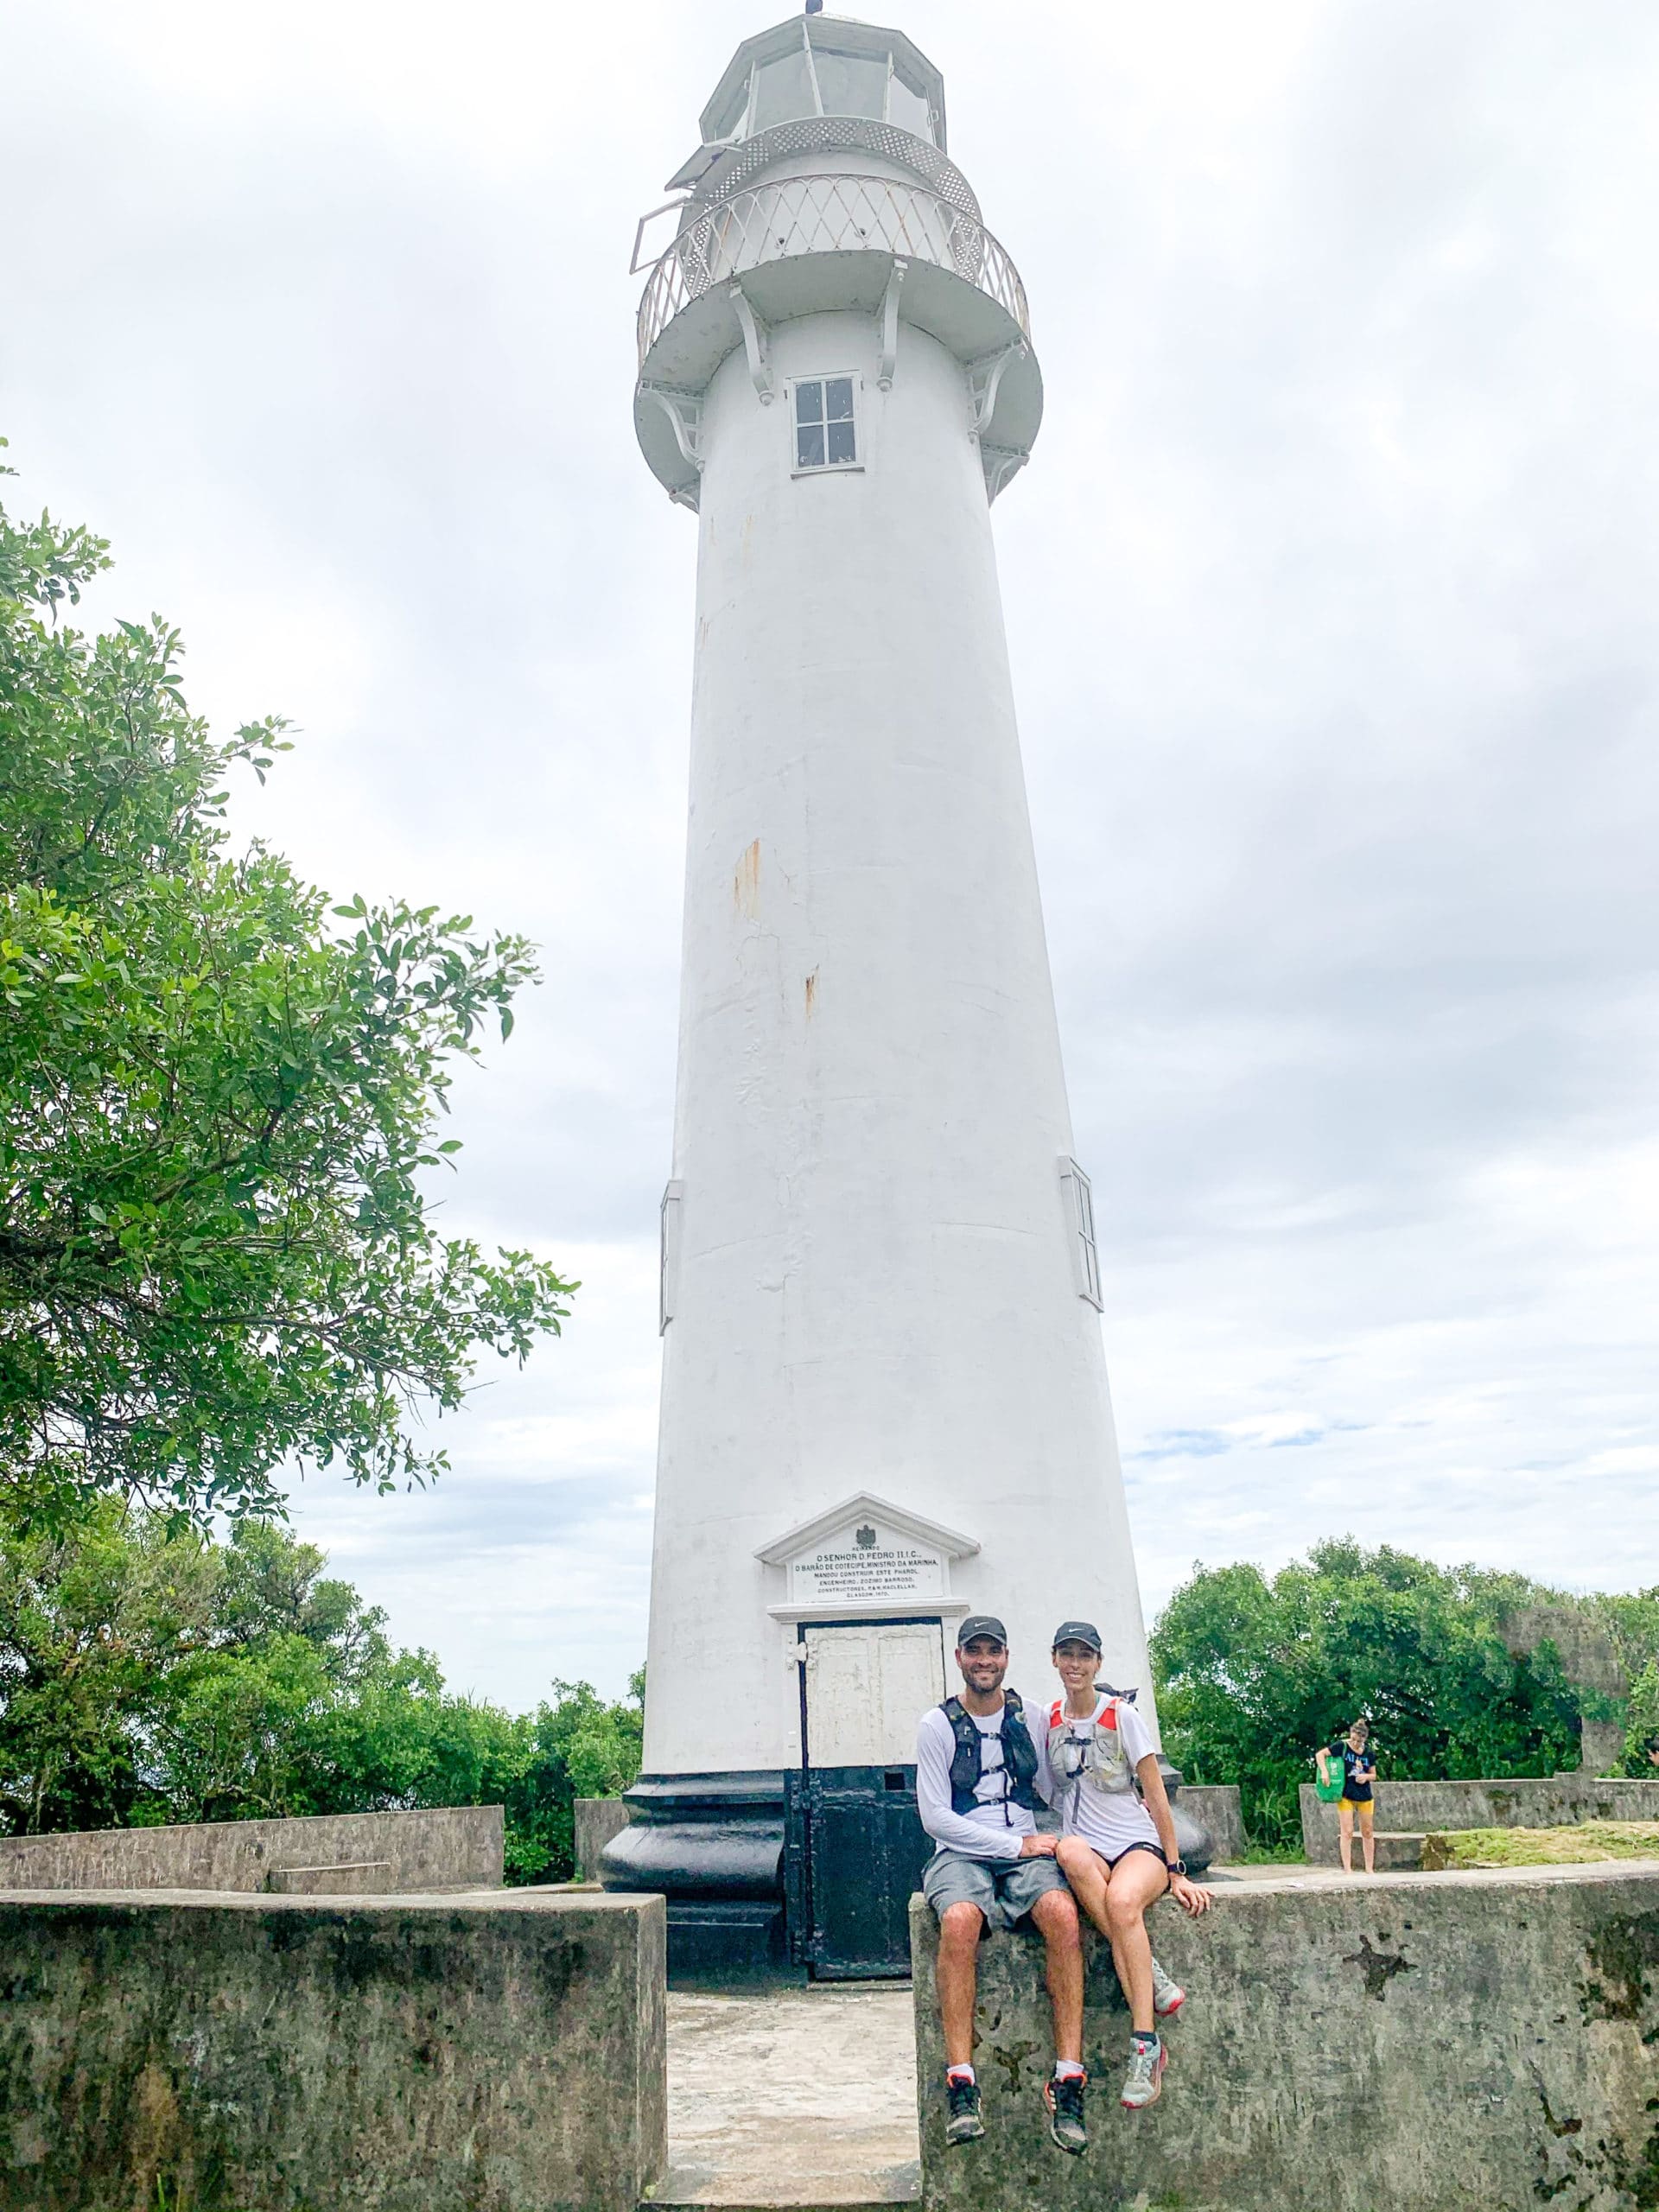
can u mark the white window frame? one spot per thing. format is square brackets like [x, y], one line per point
[827, 468]
[807, 40]
[1079, 1195]
[667, 1257]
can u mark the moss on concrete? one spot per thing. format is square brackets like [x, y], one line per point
[172, 2052]
[1484, 2041]
[1585, 1844]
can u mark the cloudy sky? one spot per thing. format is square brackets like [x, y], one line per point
[1330, 594]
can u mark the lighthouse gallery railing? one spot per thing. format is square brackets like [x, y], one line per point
[824, 214]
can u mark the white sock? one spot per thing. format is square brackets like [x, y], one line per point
[958, 2073]
[1067, 2070]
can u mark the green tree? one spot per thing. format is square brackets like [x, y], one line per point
[93, 1620]
[1642, 1725]
[218, 1105]
[149, 1672]
[1253, 1674]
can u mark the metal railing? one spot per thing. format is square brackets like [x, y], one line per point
[824, 214]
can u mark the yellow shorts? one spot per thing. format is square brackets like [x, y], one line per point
[1364, 1807]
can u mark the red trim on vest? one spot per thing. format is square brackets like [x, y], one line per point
[1108, 1719]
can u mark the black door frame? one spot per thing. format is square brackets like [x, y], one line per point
[799, 1917]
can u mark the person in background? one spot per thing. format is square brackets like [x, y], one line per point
[1354, 1754]
[1117, 1844]
[976, 1768]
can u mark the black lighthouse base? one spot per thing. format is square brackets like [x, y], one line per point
[712, 1845]
[715, 1846]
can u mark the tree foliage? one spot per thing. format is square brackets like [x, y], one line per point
[1253, 1674]
[149, 1674]
[1642, 1725]
[219, 1102]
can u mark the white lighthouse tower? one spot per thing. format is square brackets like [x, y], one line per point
[884, 1395]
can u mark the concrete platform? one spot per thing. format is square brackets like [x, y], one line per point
[801, 2100]
[797, 2098]
[1468, 2042]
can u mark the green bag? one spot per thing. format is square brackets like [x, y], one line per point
[1329, 1792]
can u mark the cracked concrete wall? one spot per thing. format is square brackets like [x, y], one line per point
[474, 2054]
[1521, 1801]
[598, 1819]
[1438, 2043]
[456, 1847]
[1217, 1805]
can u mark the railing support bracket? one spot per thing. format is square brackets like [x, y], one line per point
[755, 344]
[999, 464]
[890, 324]
[684, 413]
[984, 379]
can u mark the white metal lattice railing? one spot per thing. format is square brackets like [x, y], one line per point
[824, 214]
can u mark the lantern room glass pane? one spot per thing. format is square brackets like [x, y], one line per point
[783, 91]
[909, 109]
[851, 83]
[732, 114]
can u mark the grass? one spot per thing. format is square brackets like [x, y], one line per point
[170, 2198]
[1577, 1846]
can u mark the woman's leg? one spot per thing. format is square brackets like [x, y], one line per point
[1085, 1873]
[1138, 1879]
[1366, 1840]
[1346, 1832]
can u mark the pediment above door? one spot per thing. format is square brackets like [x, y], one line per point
[866, 1555]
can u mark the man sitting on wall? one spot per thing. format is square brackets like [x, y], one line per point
[976, 1766]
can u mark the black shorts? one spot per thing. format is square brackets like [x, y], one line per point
[1139, 1844]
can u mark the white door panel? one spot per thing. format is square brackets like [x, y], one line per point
[866, 1686]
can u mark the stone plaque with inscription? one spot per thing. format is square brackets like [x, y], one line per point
[865, 1561]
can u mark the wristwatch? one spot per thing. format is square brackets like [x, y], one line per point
[1176, 1865]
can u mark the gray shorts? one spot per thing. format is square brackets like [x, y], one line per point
[1005, 1890]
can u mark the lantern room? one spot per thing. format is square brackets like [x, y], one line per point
[815, 65]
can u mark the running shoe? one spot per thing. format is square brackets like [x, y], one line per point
[1144, 2083]
[1065, 2103]
[1168, 1995]
[962, 2124]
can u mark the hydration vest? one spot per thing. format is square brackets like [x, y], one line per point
[1103, 1764]
[968, 1761]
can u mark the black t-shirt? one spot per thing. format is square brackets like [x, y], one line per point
[1357, 1793]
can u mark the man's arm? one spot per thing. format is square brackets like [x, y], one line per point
[1044, 1783]
[935, 1746]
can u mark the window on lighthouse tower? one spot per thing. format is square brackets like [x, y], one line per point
[826, 429]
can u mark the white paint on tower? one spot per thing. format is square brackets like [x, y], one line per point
[883, 1340]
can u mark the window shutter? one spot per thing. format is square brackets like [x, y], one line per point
[1079, 1196]
[668, 1270]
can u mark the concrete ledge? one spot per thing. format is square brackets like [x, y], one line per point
[1505, 1801]
[1416, 2043]
[272, 2054]
[597, 1820]
[359, 1878]
[1217, 1804]
[455, 1847]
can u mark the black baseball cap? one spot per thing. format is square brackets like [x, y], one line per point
[1077, 1633]
[981, 1624]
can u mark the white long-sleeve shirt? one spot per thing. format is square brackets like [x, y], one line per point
[997, 1826]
